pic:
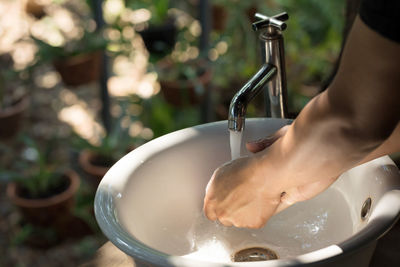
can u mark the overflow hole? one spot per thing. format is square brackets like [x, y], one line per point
[366, 207]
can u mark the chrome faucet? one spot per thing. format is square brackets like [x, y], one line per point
[272, 73]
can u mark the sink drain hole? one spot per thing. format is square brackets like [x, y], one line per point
[254, 254]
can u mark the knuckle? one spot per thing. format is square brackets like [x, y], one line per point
[260, 222]
[254, 226]
[209, 212]
[225, 222]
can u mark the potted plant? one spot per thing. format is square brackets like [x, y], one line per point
[163, 118]
[219, 14]
[78, 61]
[184, 83]
[13, 100]
[41, 190]
[159, 36]
[78, 57]
[96, 159]
[240, 58]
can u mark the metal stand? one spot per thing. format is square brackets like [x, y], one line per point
[205, 22]
[105, 98]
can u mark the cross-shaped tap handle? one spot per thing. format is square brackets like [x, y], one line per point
[276, 21]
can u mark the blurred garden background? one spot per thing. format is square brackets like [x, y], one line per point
[84, 82]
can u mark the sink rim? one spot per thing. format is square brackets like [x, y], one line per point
[108, 222]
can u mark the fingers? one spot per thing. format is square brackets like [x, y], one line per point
[209, 211]
[261, 144]
[208, 206]
[225, 222]
[253, 215]
[235, 195]
[242, 221]
[244, 216]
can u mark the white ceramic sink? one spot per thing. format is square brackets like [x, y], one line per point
[150, 206]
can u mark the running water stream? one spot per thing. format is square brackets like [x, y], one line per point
[235, 143]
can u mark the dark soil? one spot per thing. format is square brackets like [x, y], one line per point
[55, 188]
[102, 161]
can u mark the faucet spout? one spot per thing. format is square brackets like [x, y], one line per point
[272, 74]
[237, 108]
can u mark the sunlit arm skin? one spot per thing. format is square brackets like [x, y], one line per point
[351, 122]
[389, 146]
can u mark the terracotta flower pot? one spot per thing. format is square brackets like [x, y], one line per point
[94, 165]
[182, 92]
[11, 117]
[53, 210]
[219, 17]
[80, 69]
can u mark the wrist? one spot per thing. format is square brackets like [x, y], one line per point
[272, 169]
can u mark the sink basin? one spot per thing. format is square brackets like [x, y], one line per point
[149, 205]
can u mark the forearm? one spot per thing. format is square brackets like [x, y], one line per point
[389, 146]
[337, 130]
[318, 145]
[340, 127]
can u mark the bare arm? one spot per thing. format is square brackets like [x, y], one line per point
[390, 146]
[337, 130]
[354, 116]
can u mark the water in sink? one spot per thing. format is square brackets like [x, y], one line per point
[305, 227]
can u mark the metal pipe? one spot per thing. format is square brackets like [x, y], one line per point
[237, 108]
[272, 52]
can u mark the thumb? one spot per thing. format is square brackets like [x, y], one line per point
[263, 143]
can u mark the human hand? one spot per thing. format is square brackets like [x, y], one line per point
[296, 193]
[241, 194]
[238, 195]
[261, 144]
